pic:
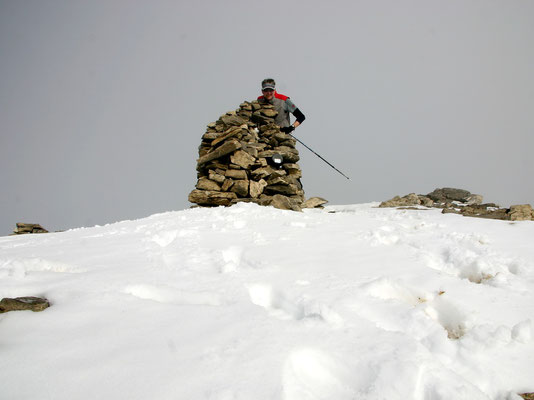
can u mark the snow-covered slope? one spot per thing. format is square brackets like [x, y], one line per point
[251, 302]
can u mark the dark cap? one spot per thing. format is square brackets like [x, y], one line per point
[268, 84]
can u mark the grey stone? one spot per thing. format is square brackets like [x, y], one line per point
[444, 195]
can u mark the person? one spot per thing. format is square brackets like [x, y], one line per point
[282, 104]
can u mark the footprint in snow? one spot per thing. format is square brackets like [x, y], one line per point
[20, 267]
[476, 265]
[231, 258]
[311, 374]
[166, 294]
[280, 306]
[450, 317]
[434, 305]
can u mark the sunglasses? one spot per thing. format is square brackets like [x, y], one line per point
[267, 90]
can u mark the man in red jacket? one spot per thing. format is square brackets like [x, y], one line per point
[282, 104]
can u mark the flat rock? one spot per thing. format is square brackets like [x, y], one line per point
[206, 184]
[409, 200]
[211, 198]
[236, 174]
[23, 304]
[445, 195]
[314, 202]
[232, 120]
[225, 149]
[23, 228]
[232, 132]
[284, 203]
[242, 158]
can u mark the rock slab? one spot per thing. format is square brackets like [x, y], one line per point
[460, 201]
[25, 228]
[23, 304]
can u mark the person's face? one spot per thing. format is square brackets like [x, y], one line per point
[268, 93]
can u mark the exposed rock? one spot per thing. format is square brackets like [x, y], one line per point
[24, 228]
[523, 212]
[285, 203]
[447, 195]
[475, 199]
[459, 201]
[484, 211]
[426, 201]
[23, 304]
[451, 211]
[409, 200]
[314, 202]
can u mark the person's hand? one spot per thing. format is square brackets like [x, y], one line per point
[287, 129]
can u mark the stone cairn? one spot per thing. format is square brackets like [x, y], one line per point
[244, 157]
[460, 201]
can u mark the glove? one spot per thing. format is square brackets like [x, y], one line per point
[287, 129]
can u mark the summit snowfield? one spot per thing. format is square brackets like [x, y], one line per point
[250, 302]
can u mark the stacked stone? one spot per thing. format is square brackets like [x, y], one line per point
[23, 228]
[236, 161]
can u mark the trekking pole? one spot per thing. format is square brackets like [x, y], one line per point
[319, 156]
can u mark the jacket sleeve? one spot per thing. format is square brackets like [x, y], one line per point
[299, 116]
[293, 109]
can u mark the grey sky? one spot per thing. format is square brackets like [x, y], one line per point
[102, 103]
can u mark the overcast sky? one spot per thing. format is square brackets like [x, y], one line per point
[103, 102]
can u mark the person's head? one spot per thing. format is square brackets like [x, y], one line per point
[268, 88]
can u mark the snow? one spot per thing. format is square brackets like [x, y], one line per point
[249, 302]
